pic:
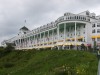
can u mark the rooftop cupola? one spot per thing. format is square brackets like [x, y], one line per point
[23, 30]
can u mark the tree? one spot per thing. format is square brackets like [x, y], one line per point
[9, 48]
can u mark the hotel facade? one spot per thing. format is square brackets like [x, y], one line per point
[69, 29]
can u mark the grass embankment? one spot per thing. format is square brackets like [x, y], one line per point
[48, 62]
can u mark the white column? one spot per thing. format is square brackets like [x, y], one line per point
[15, 43]
[20, 42]
[58, 32]
[52, 36]
[75, 36]
[48, 37]
[64, 35]
[36, 40]
[64, 32]
[23, 42]
[40, 39]
[26, 42]
[86, 32]
[44, 39]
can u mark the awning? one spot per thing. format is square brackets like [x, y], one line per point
[80, 37]
[72, 38]
[67, 39]
[98, 36]
[93, 36]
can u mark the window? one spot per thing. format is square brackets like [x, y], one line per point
[68, 35]
[79, 33]
[98, 30]
[84, 39]
[77, 17]
[98, 39]
[87, 13]
[88, 19]
[84, 26]
[71, 34]
[79, 27]
[70, 17]
[68, 30]
[66, 18]
[24, 32]
[93, 25]
[83, 18]
[93, 31]
[84, 32]
[98, 24]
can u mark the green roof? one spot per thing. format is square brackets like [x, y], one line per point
[24, 28]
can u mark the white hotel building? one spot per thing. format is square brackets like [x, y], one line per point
[69, 29]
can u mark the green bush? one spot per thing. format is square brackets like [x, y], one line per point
[9, 48]
[8, 64]
[61, 73]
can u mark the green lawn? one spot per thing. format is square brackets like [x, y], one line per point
[48, 62]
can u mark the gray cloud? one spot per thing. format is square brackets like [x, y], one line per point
[37, 13]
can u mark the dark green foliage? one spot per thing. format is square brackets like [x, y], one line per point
[61, 73]
[8, 64]
[9, 48]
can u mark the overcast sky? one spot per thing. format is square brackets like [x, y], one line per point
[13, 13]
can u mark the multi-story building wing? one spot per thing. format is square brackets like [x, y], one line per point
[69, 29]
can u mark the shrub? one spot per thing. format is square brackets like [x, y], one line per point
[8, 65]
[61, 73]
[9, 48]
